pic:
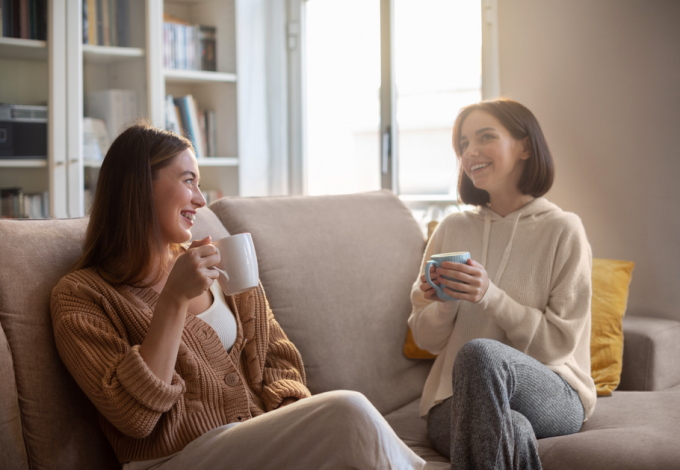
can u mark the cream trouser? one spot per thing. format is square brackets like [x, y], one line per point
[334, 430]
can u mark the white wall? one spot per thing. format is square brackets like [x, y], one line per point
[603, 78]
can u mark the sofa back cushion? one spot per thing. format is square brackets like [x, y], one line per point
[338, 272]
[12, 446]
[60, 425]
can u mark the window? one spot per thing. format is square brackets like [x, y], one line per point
[437, 70]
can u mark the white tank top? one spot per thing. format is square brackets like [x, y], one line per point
[220, 318]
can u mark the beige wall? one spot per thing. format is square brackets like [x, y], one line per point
[603, 78]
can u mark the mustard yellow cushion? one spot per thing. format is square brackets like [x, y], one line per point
[611, 279]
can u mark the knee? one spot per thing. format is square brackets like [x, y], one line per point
[349, 405]
[478, 353]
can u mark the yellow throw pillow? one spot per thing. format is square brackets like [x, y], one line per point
[611, 279]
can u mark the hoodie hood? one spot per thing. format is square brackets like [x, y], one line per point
[537, 207]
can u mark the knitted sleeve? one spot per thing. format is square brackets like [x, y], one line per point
[106, 367]
[550, 335]
[284, 373]
[431, 322]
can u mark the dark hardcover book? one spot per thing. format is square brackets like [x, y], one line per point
[100, 23]
[85, 35]
[33, 19]
[207, 36]
[16, 28]
[5, 17]
[123, 22]
[42, 19]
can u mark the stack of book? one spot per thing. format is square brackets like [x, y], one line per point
[183, 117]
[25, 19]
[14, 204]
[106, 22]
[187, 46]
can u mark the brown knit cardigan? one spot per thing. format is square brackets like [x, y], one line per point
[98, 330]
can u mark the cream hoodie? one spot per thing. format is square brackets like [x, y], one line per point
[539, 264]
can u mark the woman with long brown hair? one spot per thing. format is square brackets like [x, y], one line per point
[512, 330]
[172, 391]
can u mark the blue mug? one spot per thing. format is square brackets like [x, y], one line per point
[437, 260]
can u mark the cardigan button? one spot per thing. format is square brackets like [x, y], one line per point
[231, 379]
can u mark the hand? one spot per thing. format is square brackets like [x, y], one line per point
[472, 274]
[287, 401]
[430, 292]
[191, 274]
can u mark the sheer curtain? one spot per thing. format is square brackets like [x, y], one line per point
[262, 97]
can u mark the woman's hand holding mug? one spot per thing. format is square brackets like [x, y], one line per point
[192, 273]
[454, 276]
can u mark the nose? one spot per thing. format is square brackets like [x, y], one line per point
[198, 199]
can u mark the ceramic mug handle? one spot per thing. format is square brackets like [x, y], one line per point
[428, 278]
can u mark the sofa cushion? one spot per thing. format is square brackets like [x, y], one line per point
[650, 354]
[61, 429]
[12, 446]
[611, 279]
[338, 272]
[627, 431]
[59, 423]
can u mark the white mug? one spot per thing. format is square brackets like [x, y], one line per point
[238, 264]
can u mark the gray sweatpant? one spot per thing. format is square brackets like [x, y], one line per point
[502, 401]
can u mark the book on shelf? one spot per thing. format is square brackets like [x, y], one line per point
[118, 108]
[24, 19]
[188, 46]
[182, 116]
[106, 22]
[14, 204]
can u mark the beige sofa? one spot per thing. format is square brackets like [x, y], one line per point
[337, 271]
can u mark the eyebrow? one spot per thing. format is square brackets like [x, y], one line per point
[483, 129]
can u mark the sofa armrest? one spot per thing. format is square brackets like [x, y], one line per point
[651, 354]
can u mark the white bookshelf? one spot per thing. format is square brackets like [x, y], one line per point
[42, 73]
[27, 163]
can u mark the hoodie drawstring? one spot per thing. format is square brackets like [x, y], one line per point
[485, 243]
[506, 254]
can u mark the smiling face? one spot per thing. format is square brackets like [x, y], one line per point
[491, 157]
[176, 197]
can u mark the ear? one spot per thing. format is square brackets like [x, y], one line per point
[526, 146]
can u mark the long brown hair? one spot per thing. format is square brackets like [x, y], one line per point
[123, 239]
[539, 171]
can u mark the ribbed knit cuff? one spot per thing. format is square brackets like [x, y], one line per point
[274, 393]
[143, 385]
[490, 299]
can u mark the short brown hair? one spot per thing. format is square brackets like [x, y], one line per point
[123, 239]
[539, 172]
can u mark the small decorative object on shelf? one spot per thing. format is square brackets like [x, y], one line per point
[106, 22]
[187, 46]
[25, 19]
[183, 117]
[117, 108]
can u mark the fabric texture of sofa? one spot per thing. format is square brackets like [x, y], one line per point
[337, 271]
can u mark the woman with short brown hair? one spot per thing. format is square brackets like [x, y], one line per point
[513, 335]
[176, 389]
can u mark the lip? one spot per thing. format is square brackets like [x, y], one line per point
[479, 170]
[189, 221]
